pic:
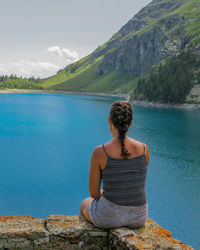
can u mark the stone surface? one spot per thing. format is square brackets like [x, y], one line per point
[151, 236]
[22, 231]
[74, 232]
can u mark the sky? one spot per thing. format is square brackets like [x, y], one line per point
[40, 37]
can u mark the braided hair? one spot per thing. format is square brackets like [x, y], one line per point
[121, 115]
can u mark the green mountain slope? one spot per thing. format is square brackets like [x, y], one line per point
[159, 31]
[82, 76]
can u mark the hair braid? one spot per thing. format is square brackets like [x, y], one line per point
[121, 116]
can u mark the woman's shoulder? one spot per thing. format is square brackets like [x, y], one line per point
[142, 148]
[139, 146]
[99, 151]
[99, 155]
[135, 143]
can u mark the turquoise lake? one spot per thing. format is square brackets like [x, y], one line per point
[46, 141]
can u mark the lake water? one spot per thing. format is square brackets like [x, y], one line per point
[46, 141]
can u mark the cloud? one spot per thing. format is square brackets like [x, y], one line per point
[70, 55]
[56, 58]
[26, 68]
[55, 50]
[3, 70]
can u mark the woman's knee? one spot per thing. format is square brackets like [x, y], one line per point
[85, 204]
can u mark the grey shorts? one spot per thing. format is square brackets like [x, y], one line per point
[106, 214]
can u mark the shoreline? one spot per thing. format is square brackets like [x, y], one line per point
[24, 91]
[187, 106]
[126, 96]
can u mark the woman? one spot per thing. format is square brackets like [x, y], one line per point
[122, 164]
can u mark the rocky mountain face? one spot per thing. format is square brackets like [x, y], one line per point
[152, 35]
[161, 30]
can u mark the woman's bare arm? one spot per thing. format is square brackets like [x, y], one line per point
[147, 153]
[95, 174]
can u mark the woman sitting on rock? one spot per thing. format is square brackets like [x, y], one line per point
[122, 164]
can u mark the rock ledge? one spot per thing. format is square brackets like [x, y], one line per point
[74, 232]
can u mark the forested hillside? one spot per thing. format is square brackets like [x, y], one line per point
[14, 82]
[171, 81]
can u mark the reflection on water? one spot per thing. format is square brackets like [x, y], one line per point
[46, 141]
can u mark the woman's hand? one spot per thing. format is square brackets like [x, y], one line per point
[101, 192]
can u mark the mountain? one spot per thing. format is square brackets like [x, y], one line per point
[162, 30]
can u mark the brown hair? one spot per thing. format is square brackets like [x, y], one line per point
[121, 115]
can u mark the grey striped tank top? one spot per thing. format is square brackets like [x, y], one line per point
[124, 180]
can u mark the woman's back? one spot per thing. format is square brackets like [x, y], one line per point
[124, 179]
[113, 149]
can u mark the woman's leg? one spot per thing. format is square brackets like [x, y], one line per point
[84, 208]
